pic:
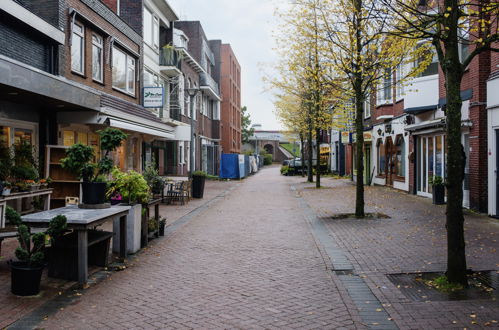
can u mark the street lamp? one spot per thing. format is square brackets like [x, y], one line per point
[192, 94]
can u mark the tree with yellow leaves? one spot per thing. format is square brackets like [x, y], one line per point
[458, 30]
[359, 54]
[302, 76]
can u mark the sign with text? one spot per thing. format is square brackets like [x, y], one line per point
[153, 97]
[345, 137]
[368, 136]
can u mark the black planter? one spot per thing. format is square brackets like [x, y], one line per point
[198, 186]
[161, 228]
[439, 194]
[25, 281]
[93, 192]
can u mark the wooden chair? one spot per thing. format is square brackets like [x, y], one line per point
[187, 191]
[176, 192]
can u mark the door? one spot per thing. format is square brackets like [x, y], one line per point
[390, 163]
[497, 171]
[367, 164]
[466, 182]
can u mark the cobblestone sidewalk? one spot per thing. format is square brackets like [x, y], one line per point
[413, 239]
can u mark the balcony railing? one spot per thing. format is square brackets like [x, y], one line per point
[207, 80]
[169, 56]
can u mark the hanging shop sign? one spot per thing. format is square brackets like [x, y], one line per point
[345, 137]
[368, 136]
[153, 97]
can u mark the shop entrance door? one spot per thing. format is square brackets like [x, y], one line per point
[390, 164]
[466, 181]
[431, 162]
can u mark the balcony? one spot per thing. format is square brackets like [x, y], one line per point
[208, 84]
[170, 61]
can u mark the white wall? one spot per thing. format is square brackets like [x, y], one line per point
[493, 124]
[421, 92]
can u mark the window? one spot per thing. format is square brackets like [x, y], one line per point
[181, 153]
[432, 68]
[151, 29]
[367, 107]
[381, 157]
[97, 58]
[400, 74]
[385, 92]
[400, 156]
[123, 71]
[78, 49]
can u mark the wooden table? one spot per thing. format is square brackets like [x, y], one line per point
[81, 220]
[45, 193]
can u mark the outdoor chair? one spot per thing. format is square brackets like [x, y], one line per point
[176, 193]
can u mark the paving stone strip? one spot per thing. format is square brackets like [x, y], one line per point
[371, 311]
[70, 296]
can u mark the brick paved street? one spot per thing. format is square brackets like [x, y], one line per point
[412, 240]
[249, 261]
[258, 257]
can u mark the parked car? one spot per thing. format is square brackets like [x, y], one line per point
[295, 166]
[286, 162]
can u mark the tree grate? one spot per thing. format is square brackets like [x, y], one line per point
[483, 285]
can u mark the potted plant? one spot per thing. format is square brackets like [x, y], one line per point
[5, 166]
[154, 180]
[198, 180]
[162, 223]
[79, 159]
[26, 272]
[7, 186]
[438, 188]
[134, 191]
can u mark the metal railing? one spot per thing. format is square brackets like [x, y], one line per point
[206, 80]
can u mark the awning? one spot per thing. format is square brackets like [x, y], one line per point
[136, 127]
[436, 123]
[418, 110]
[465, 95]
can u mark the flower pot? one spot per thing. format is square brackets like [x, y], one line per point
[93, 192]
[439, 194]
[34, 187]
[198, 186]
[25, 280]
[161, 228]
[6, 191]
[134, 230]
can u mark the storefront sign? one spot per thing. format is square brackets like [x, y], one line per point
[345, 137]
[153, 97]
[368, 136]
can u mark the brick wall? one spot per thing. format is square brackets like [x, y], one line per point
[96, 15]
[49, 10]
[231, 104]
[22, 43]
[131, 11]
[112, 4]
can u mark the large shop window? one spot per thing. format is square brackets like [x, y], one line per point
[97, 58]
[78, 49]
[400, 156]
[123, 71]
[14, 134]
[432, 68]
[381, 157]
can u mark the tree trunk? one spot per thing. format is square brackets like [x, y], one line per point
[456, 257]
[302, 141]
[310, 175]
[318, 164]
[359, 130]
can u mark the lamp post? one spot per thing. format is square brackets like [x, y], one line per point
[192, 94]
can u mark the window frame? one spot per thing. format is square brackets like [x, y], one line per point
[81, 35]
[381, 170]
[128, 57]
[400, 148]
[101, 47]
[386, 85]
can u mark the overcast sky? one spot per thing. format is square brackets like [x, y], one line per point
[248, 26]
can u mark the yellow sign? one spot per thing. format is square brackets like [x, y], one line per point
[345, 137]
[368, 136]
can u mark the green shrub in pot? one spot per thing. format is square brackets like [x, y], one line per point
[130, 185]
[79, 160]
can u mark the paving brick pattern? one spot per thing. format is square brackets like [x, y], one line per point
[412, 240]
[248, 261]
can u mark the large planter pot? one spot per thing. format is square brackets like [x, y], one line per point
[133, 227]
[198, 186]
[93, 192]
[25, 281]
[162, 228]
[439, 194]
